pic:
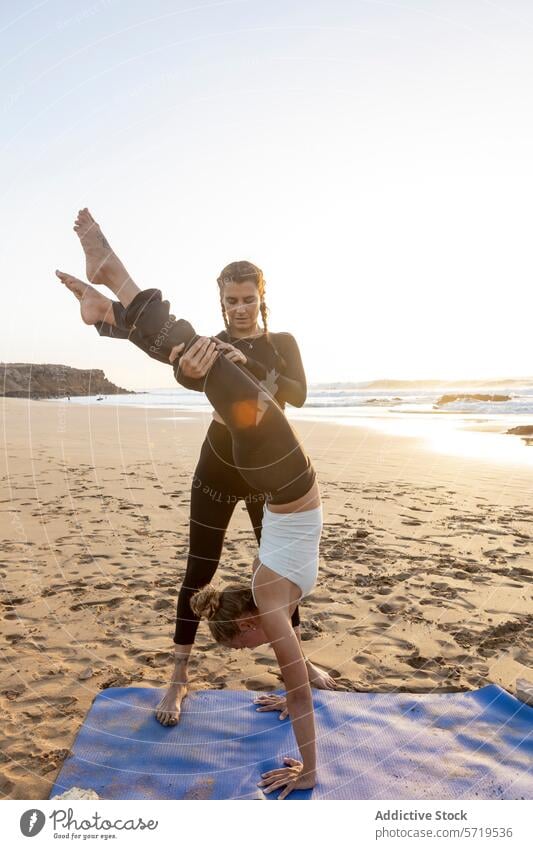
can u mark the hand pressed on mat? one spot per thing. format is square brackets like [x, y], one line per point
[290, 777]
[272, 701]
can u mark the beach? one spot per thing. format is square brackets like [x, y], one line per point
[424, 584]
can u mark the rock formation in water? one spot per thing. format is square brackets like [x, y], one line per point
[449, 399]
[39, 380]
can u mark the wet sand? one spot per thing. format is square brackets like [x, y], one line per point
[425, 581]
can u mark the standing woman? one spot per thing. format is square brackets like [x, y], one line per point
[272, 358]
[217, 485]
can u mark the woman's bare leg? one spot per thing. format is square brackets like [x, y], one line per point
[94, 306]
[169, 708]
[103, 265]
[318, 678]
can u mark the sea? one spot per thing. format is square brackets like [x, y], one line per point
[353, 399]
[468, 426]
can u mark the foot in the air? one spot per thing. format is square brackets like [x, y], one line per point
[93, 305]
[102, 263]
[319, 679]
[169, 708]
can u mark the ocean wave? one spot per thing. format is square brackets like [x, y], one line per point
[330, 398]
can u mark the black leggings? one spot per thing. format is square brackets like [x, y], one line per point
[118, 330]
[266, 450]
[215, 490]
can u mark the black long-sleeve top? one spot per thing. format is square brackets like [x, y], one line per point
[273, 358]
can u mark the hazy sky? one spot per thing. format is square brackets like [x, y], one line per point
[374, 158]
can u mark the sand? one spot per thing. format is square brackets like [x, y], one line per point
[425, 581]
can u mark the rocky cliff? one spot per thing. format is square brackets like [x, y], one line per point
[38, 380]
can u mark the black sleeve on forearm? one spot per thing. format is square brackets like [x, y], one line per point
[291, 380]
[194, 383]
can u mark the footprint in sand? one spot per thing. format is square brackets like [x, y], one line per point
[96, 601]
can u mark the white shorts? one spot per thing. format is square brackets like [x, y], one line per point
[289, 545]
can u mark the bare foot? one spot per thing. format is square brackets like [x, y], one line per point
[169, 708]
[319, 679]
[93, 305]
[103, 265]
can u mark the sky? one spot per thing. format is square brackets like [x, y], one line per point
[373, 158]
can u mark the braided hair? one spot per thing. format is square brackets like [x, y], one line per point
[238, 272]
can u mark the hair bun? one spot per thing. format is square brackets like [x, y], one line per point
[206, 602]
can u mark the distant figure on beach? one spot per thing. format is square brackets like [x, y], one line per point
[249, 425]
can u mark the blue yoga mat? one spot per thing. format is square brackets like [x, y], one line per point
[476, 745]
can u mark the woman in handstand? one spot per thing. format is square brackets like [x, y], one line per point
[270, 457]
